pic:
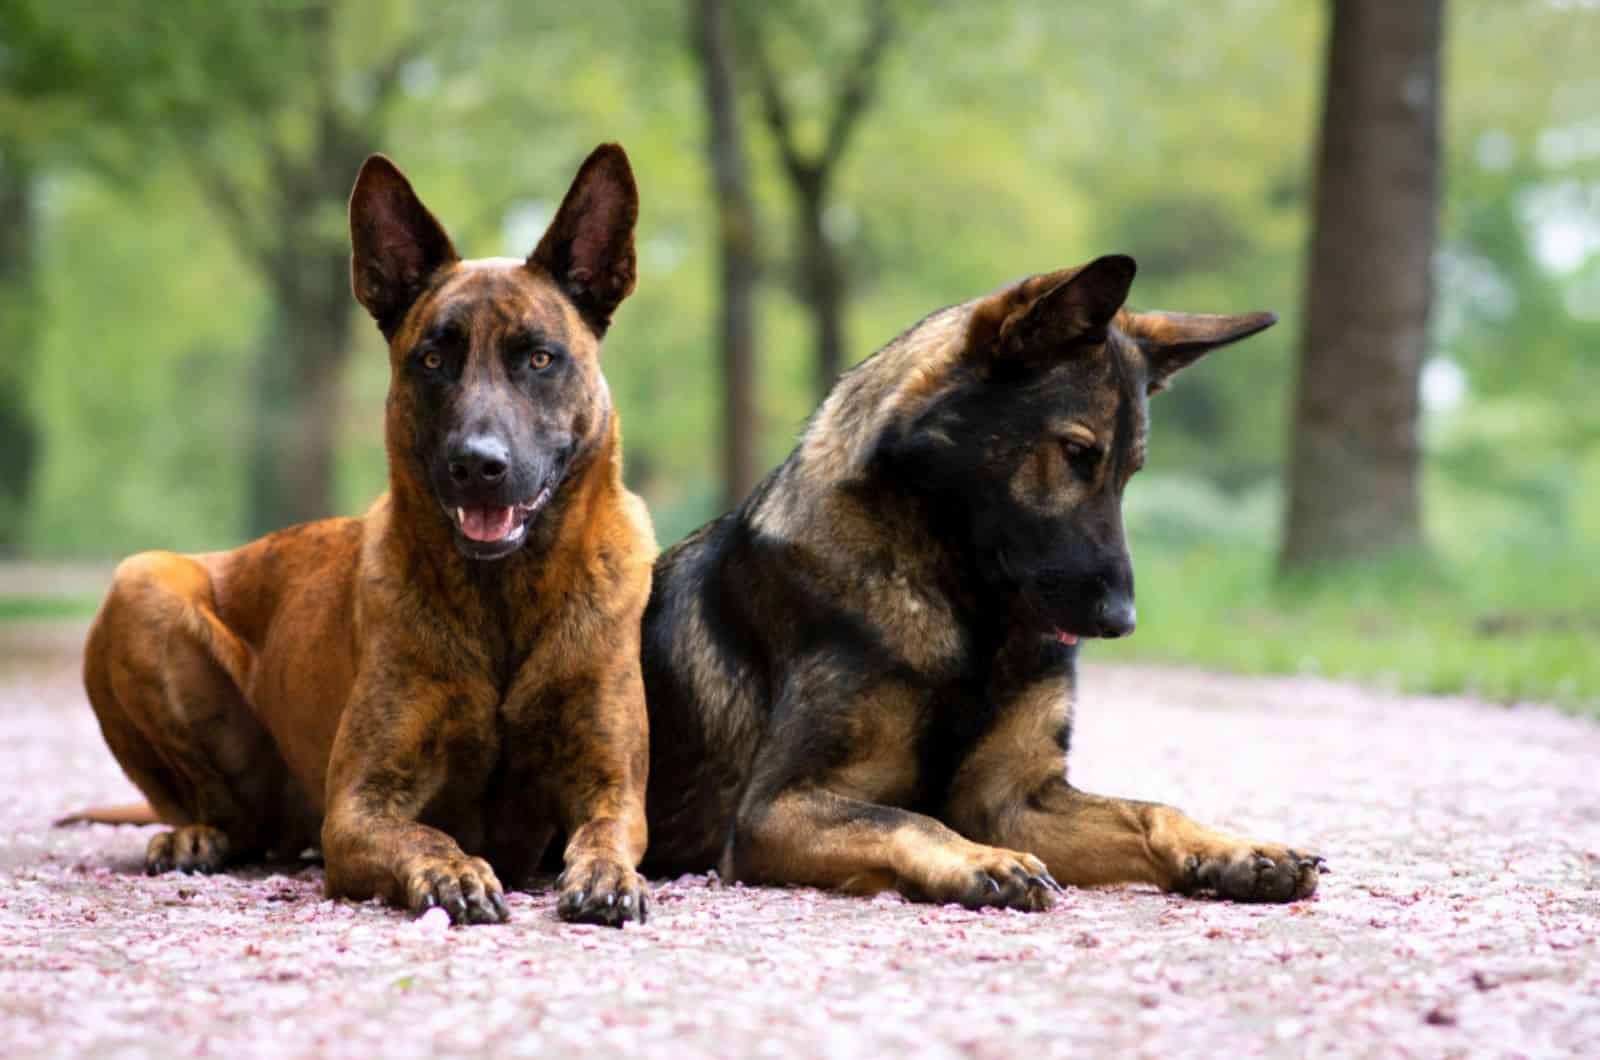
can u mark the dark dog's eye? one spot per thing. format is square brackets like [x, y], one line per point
[432, 361]
[539, 360]
[1083, 457]
[1079, 451]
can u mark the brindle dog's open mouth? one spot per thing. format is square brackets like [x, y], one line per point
[488, 531]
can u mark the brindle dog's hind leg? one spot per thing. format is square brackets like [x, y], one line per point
[163, 675]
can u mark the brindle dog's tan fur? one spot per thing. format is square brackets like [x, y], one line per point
[359, 683]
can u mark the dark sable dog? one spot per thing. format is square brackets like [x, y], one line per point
[862, 678]
[452, 680]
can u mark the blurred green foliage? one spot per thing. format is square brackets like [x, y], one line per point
[1008, 138]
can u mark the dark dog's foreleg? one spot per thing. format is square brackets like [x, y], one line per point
[813, 836]
[385, 768]
[1012, 790]
[1091, 840]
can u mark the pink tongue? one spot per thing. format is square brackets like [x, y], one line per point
[1065, 637]
[486, 524]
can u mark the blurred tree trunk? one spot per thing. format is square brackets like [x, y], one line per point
[19, 434]
[810, 174]
[293, 231]
[271, 118]
[296, 383]
[739, 252]
[1353, 486]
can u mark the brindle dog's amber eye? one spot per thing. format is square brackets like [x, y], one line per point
[540, 360]
[432, 362]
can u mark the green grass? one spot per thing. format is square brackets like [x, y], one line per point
[1519, 630]
[44, 608]
[1523, 631]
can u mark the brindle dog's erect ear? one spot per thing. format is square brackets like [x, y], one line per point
[397, 245]
[1170, 341]
[588, 248]
[1052, 312]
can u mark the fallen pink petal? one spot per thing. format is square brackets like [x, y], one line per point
[1459, 915]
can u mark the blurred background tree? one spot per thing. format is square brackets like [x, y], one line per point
[811, 169]
[1354, 478]
[739, 248]
[184, 365]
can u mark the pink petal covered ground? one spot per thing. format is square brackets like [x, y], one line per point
[1462, 916]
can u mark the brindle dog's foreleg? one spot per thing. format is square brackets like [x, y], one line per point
[1012, 790]
[389, 762]
[601, 769]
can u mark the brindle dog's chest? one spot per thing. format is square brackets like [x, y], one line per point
[498, 799]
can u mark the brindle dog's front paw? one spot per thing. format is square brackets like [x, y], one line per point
[1249, 873]
[993, 877]
[464, 887]
[598, 891]
[192, 848]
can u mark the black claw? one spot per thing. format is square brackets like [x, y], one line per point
[457, 910]
[1050, 881]
[990, 885]
[502, 910]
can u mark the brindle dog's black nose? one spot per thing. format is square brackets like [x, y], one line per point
[1115, 616]
[479, 459]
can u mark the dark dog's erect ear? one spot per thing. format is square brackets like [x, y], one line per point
[1052, 312]
[1170, 341]
[397, 245]
[588, 248]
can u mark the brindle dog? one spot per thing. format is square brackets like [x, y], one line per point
[863, 677]
[451, 681]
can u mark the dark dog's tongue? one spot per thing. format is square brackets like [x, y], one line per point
[484, 523]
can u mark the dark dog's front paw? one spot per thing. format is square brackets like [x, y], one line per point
[464, 887]
[1253, 873]
[192, 848]
[991, 877]
[600, 891]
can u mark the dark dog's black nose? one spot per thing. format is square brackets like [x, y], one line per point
[479, 459]
[1115, 616]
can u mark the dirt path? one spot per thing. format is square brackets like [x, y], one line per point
[1463, 916]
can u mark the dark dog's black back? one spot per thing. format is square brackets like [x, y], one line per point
[861, 678]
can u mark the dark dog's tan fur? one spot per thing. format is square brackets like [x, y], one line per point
[430, 718]
[863, 677]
